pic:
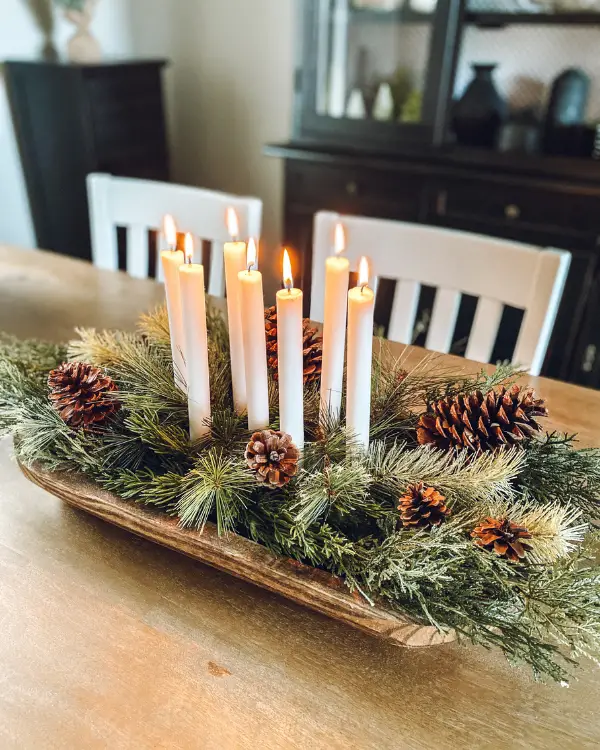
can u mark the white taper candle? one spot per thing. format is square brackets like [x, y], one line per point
[171, 260]
[193, 305]
[255, 342]
[235, 263]
[290, 361]
[337, 273]
[361, 306]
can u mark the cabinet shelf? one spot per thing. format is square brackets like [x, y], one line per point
[485, 19]
[494, 20]
[401, 15]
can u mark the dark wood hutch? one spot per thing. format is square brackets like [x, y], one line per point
[409, 168]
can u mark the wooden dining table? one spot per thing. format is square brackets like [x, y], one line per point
[109, 641]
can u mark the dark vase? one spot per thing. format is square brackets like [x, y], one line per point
[479, 114]
[566, 111]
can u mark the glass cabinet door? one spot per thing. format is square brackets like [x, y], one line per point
[377, 71]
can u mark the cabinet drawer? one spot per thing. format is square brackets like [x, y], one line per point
[570, 213]
[371, 193]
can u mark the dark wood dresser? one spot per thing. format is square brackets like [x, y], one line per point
[547, 202]
[71, 120]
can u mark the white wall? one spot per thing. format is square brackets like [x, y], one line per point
[230, 92]
[21, 40]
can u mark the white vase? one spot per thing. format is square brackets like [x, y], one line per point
[423, 6]
[83, 47]
[383, 109]
[356, 109]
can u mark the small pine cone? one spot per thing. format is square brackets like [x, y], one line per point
[481, 422]
[83, 395]
[312, 347]
[503, 537]
[272, 457]
[422, 507]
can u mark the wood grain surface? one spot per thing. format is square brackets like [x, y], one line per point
[244, 559]
[110, 641]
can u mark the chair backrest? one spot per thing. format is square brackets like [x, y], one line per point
[140, 205]
[498, 272]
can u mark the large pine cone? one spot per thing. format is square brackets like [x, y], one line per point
[503, 537]
[272, 457]
[312, 347]
[482, 422]
[83, 395]
[422, 507]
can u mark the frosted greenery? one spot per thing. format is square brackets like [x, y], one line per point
[340, 513]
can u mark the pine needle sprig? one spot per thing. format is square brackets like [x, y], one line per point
[556, 530]
[338, 487]
[168, 438]
[155, 326]
[457, 475]
[217, 485]
[331, 444]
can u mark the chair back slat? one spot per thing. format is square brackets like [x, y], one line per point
[216, 281]
[140, 205]
[485, 329]
[404, 311]
[517, 275]
[443, 320]
[137, 251]
[105, 252]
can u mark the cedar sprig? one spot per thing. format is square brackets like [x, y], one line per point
[557, 472]
[145, 487]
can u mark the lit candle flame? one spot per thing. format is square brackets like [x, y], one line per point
[288, 281]
[189, 248]
[251, 255]
[170, 231]
[363, 273]
[233, 225]
[340, 239]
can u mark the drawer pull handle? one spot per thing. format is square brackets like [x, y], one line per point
[512, 212]
[351, 188]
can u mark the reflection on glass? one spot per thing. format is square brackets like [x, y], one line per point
[372, 58]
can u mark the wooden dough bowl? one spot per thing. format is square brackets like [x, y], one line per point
[243, 558]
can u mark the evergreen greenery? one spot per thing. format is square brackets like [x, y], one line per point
[340, 513]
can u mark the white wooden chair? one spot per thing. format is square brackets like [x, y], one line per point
[498, 272]
[140, 205]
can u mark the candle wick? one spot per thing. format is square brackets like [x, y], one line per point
[250, 267]
[362, 287]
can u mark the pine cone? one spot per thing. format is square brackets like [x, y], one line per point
[312, 347]
[422, 507]
[272, 457]
[83, 395]
[503, 537]
[482, 423]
